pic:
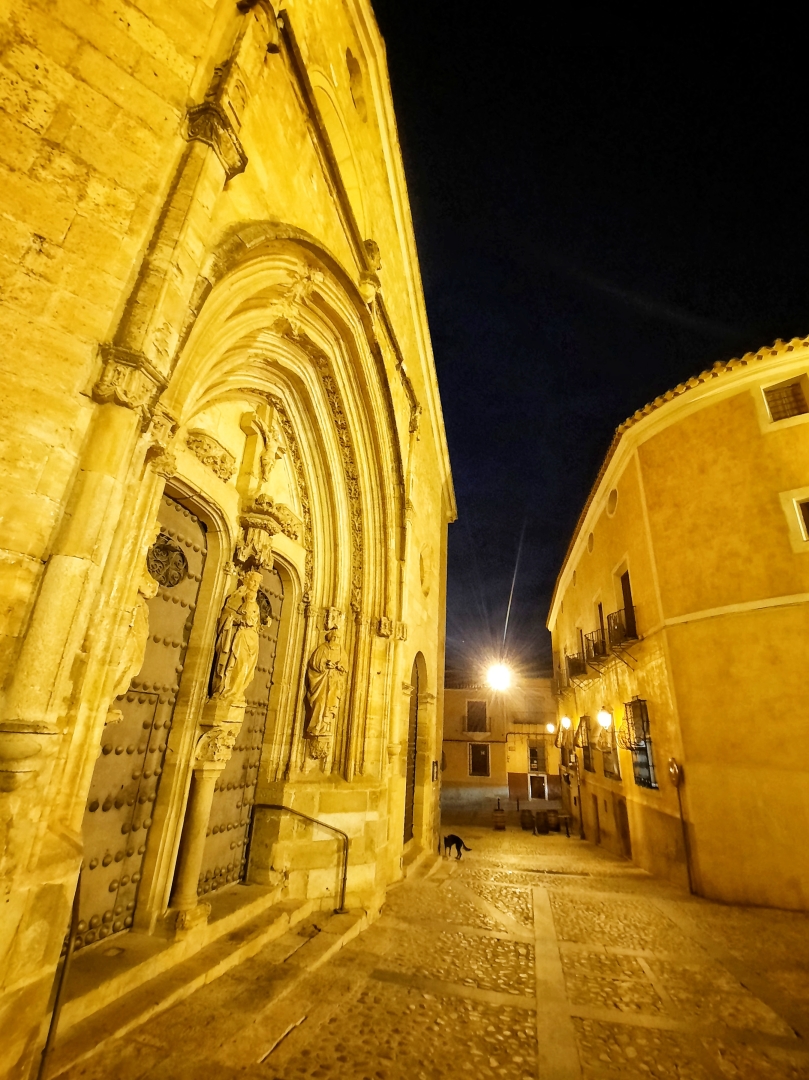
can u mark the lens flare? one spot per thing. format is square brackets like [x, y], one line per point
[499, 677]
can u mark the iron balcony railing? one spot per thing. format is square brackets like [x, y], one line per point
[622, 627]
[595, 648]
[576, 666]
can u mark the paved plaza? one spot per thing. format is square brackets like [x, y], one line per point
[535, 956]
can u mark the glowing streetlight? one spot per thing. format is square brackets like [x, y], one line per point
[550, 729]
[566, 722]
[499, 677]
[604, 718]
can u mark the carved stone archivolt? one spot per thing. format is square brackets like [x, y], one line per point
[211, 453]
[350, 470]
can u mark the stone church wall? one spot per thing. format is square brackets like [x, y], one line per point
[210, 307]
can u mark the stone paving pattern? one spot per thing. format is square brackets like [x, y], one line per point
[453, 981]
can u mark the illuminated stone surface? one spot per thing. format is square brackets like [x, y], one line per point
[617, 975]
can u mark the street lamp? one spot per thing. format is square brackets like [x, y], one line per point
[499, 677]
[604, 718]
[566, 722]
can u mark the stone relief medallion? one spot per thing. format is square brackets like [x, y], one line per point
[166, 562]
[264, 607]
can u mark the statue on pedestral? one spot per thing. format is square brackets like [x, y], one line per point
[136, 633]
[325, 678]
[237, 640]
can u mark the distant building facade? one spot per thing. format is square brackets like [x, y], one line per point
[680, 621]
[496, 744]
[225, 486]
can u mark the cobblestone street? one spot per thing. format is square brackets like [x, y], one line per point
[535, 956]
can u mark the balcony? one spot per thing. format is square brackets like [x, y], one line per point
[576, 666]
[622, 628]
[595, 649]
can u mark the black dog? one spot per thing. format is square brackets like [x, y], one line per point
[453, 841]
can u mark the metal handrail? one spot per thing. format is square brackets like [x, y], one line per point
[341, 909]
[60, 986]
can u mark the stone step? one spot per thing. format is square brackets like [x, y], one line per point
[271, 932]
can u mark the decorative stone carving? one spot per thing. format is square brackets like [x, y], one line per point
[401, 631]
[209, 124]
[189, 918]
[166, 561]
[237, 640]
[260, 523]
[384, 627]
[274, 448]
[333, 619]
[325, 679]
[211, 453]
[128, 379]
[291, 442]
[369, 284]
[216, 745]
[136, 636]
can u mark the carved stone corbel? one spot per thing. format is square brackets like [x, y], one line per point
[401, 631]
[263, 520]
[128, 379]
[208, 123]
[216, 745]
[384, 627]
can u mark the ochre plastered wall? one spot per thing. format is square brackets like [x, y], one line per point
[203, 218]
[707, 526]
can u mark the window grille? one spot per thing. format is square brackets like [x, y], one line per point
[608, 744]
[635, 736]
[476, 719]
[479, 759]
[537, 758]
[786, 401]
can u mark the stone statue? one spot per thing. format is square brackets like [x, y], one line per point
[237, 639]
[274, 448]
[325, 677]
[136, 636]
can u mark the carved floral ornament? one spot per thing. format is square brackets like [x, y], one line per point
[211, 453]
[128, 379]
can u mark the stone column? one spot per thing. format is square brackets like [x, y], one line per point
[190, 911]
[210, 758]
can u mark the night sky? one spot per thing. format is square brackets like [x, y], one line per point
[593, 228]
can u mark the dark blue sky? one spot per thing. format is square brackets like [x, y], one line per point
[593, 228]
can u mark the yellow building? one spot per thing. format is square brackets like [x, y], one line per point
[225, 486]
[679, 621]
[499, 745]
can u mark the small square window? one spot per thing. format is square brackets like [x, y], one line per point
[476, 719]
[786, 400]
[479, 759]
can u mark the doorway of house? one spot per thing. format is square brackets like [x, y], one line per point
[622, 820]
[539, 787]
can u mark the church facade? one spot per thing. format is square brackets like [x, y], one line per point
[225, 480]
